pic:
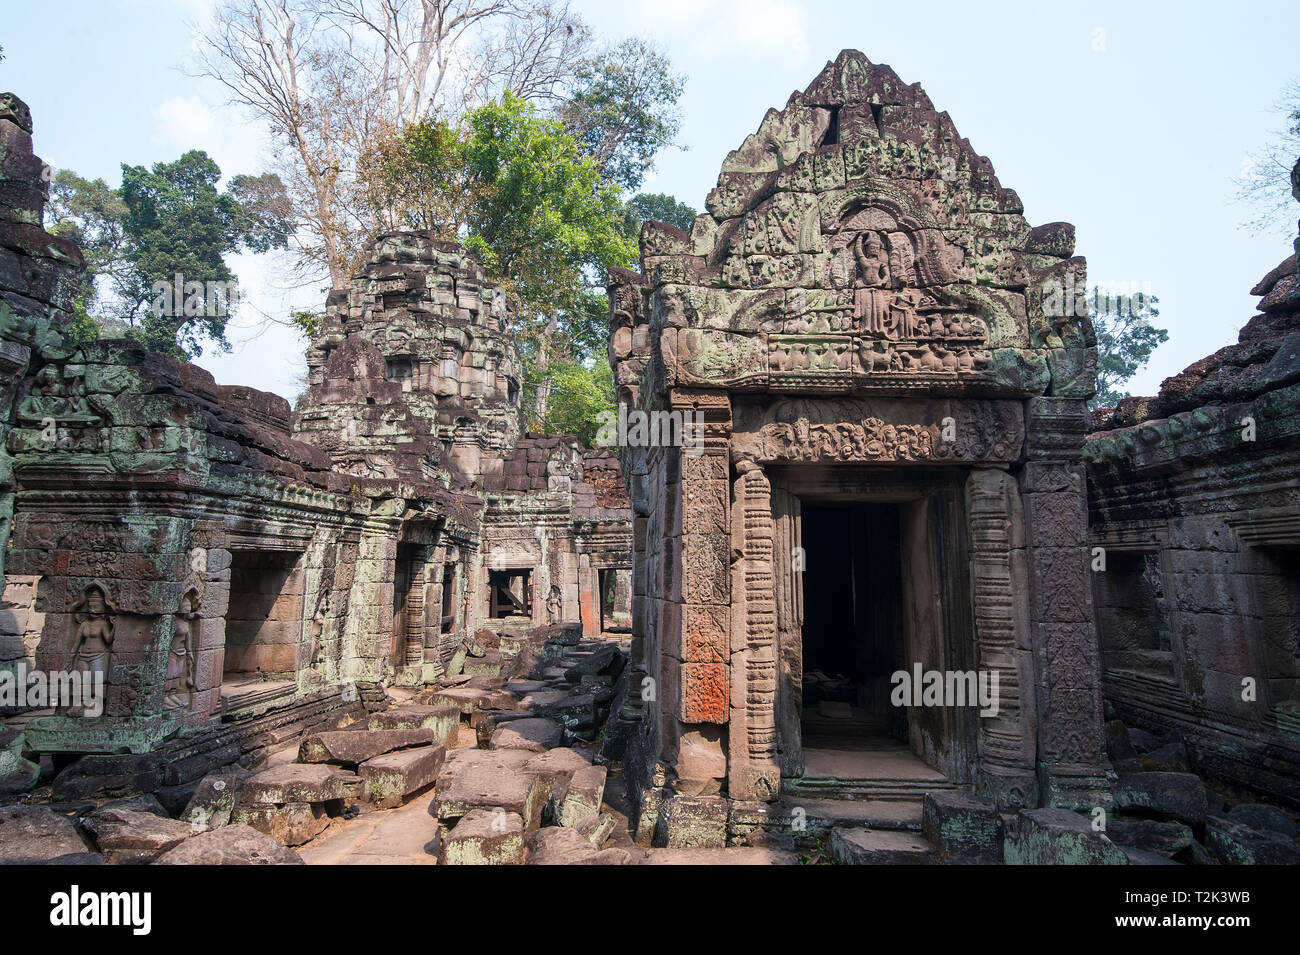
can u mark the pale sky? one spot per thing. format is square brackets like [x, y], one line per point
[1128, 119]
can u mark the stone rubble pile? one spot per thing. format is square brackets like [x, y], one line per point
[509, 753]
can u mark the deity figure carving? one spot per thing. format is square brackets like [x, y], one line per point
[554, 605]
[318, 629]
[94, 616]
[178, 689]
[872, 260]
[55, 396]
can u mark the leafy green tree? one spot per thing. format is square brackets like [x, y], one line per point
[543, 216]
[89, 213]
[656, 207]
[162, 224]
[580, 393]
[623, 109]
[1125, 340]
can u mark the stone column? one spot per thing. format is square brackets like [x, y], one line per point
[1072, 766]
[1007, 742]
[753, 771]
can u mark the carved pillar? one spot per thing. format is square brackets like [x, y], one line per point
[753, 772]
[1073, 771]
[414, 618]
[998, 586]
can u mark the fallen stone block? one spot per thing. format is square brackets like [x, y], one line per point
[300, 782]
[33, 834]
[880, 847]
[537, 735]
[213, 801]
[1149, 835]
[1267, 818]
[584, 795]
[489, 779]
[1058, 837]
[648, 812]
[489, 664]
[1143, 857]
[290, 824]
[1118, 743]
[1170, 758]
[695, 822]
[98, 776]
[1179, 796]
[465, 698]
[964, 828]
[1144, 741]
[127, 837]
[557, 767]
[606, 661]
[561, 846]
[346, 746]
[1237, 844]
[575, 709]
[442, 719]
[484, 837]
[230, 845]
[389, 779]
[145, 802]
[597, 829]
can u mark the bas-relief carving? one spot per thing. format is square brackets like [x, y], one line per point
[95, 618]
[179, 686]
[831, 430]
[874, 315]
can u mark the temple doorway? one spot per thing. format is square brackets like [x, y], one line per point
[876, 582]
[853, 627]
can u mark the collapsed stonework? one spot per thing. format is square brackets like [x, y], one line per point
[1192, 502]
[875, 339]
[238, 572]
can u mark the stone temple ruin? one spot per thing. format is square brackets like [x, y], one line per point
[687, 644]
[858, 316]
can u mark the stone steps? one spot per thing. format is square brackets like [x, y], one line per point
[876, 847]
[789, 812]
[865, 789]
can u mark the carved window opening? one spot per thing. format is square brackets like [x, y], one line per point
[264, 622]
[397, 369]
[510, 593]
[832, 136]
[1132, 611]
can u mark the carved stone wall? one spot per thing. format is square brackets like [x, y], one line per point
[1192, 506]
[145, 507]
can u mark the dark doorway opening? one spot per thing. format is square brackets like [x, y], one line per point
[854, 627]
[448, 624]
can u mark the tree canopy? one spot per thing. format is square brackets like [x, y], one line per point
[1125, 340]
[155, 248]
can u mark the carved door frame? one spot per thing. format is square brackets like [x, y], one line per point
[932, 502]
